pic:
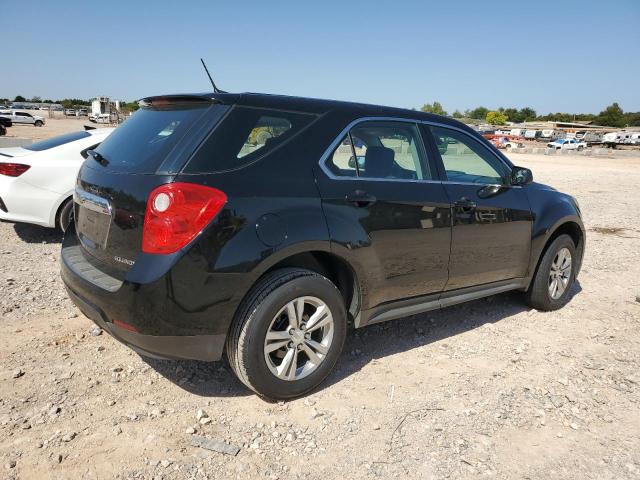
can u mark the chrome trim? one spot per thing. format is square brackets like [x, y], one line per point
[353, 123]
[92, 202]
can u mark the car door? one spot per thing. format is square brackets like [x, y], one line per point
[492, 221]
[386, 211]
[22, 117]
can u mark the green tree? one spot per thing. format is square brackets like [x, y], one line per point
[527, 114]
[457, 114]
[19, 98]
[479, 113]
[512, 114]
[496, 118]
[36, 99]
[434, 107]
[612, 116]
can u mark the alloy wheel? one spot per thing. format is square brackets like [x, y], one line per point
[560, 273]
[299, 338]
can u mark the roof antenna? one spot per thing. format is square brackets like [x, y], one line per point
[215, 89]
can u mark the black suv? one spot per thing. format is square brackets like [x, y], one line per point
[262, 225]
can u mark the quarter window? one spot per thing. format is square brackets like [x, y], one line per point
[381, 150]
[467, 160]
[246, 135]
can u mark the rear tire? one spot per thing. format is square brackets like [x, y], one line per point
[264, 311]
[541, 294]
[65, 215]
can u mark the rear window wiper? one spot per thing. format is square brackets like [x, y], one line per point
[98, 157]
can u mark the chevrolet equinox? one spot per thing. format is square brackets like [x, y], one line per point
[262, 225]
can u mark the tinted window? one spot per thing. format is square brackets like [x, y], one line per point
[244, 136]
[467, 160]
[57, 141]
[143, 142]
[342, 162]
[390, 150]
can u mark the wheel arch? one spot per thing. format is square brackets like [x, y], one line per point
[570, 225]
[317, 257]
[55, 211]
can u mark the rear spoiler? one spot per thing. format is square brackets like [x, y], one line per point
[161, 100]
[89, 127]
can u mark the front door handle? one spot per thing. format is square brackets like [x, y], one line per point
[361, 198]
[465, 204]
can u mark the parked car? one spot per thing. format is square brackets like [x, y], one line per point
[82, 112]
[37, 180]
[506, 142]
[4, 124]
[70, 112]
[532, 134]
[634, 138]
[193, 237]
[99, 118]
[24, 118]
[567, 144]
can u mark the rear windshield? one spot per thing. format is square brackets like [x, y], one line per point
[144, 141]
[245, 135]
[56, 141]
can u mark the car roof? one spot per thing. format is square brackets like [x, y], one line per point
[314, 105]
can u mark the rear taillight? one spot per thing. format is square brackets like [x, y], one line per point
[176, 213]
[13, 169]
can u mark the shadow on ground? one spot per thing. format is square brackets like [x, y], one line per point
[36, 234]
[361, 347]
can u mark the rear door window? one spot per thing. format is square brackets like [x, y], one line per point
[244, 136]
[390, 150]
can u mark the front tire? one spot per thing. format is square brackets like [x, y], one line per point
[38, 123]
[288, 333]
[551, 286]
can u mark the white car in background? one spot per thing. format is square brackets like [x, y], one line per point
[37, 180]
[24, 117]
[567, 144]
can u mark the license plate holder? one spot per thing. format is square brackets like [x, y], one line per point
[93, 219]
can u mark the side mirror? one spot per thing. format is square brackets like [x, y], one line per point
[521, 176]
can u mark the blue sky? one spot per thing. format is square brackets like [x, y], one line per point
[571, 55]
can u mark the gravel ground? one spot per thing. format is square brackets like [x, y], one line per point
[489, 389]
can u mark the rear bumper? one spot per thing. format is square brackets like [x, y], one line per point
[189, 347]
[183, 314]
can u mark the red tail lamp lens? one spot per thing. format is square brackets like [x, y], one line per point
[13, 169]
[177, 213]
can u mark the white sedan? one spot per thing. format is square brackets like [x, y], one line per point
[37, 180]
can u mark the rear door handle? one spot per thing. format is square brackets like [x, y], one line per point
[465, 204]
[361, 198]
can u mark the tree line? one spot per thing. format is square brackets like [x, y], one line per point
[66, 102]
[611, 116]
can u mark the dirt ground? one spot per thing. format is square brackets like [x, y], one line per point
[57, 125]
[490, 389]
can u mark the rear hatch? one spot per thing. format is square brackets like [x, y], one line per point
[115, 181]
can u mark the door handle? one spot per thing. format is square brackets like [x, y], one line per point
[465, 204]
[360, 198]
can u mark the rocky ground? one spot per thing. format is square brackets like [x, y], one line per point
[490, 389]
